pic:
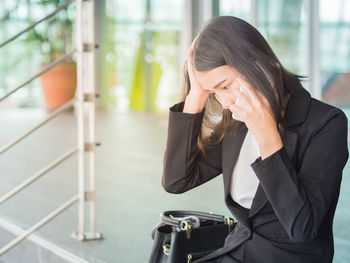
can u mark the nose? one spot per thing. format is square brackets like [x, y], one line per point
[225, 100]
[225, 105]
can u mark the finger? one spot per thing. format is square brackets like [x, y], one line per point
[192, 76]
[194, 41]
[190, 68]
[232, 87]
[257, 97]
[243, 97]
[236, 84]
[189, 54]
[251, 92]
[190, 49]
[265, 101]
[189, 57]
[237, 110]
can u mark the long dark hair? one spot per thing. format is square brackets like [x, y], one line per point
[228, 40]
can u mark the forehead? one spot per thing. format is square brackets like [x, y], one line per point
[208, 79]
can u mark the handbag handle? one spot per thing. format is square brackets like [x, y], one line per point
[174, 217]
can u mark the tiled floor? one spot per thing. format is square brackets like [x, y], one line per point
[129, 192]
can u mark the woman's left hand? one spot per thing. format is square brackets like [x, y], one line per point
[258, 117]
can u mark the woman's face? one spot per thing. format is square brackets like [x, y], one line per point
[221, 81]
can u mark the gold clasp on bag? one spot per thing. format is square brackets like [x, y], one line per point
[186, 227]
[229, 223]
[215, 222]
[166, 249]
[189, 258]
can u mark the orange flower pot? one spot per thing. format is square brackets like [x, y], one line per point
[59, 85]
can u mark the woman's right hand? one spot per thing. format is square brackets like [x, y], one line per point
[197, 96]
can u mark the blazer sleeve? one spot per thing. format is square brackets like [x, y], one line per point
[184, 167]
[303, 199]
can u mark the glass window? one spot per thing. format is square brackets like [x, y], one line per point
[147, 54]
[335, 52]
[237, 8]
[282, 23]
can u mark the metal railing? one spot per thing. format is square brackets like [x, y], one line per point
[85, 105]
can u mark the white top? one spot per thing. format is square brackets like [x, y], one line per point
[244, 182]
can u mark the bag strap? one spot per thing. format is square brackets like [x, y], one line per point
[175, 217]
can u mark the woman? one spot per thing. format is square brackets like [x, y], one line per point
[285, 188]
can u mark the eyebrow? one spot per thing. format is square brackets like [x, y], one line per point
[217, 85]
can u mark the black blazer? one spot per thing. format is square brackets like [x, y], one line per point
[291, 216]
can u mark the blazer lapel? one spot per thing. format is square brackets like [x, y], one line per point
[231, 148]
[232, 144]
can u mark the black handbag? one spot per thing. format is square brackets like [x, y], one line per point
[184, 236]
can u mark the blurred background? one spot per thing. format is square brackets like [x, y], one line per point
[138, 76]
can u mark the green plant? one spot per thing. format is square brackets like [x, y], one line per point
[53, 36]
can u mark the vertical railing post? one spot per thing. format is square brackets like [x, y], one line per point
[85, 42]
[90, 90]
[80, 119]
[85, 107]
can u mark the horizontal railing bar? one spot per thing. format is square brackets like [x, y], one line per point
[37, 23]
[40, 173]
[45, 69]
[25, 134]
[39, 224]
